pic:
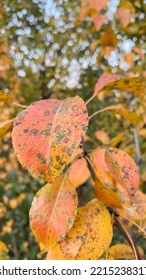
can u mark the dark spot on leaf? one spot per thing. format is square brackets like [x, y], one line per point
[35, 131]
[26, 130]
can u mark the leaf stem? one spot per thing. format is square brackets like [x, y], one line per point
[96, 113]
[137, 145]
[90, 99]
[19, 105]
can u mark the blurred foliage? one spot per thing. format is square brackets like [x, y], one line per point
[54, 50]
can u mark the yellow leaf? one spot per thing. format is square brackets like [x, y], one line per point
[3, 248]
[5, 127]
[4, 97]
[135, 85]
[55, 253]
[106, 195]
[87, 239]
[123, 252]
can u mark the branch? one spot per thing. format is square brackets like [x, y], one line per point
[137, 145]
[89, 163]
[121, 227]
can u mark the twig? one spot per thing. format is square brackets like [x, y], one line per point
[137, 145]
[89, 163]
[127, 236]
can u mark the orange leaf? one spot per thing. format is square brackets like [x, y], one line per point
[102, 136]
[78, 172]
[125, 12]
[109, 38]
[47, 133]
[101, 169]
[98, 20]
[87, 239]
[53, 211]
[123, 169]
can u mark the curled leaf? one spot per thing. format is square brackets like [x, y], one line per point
[124, 169]
[106, 195]
[47, 133]
[53, 211]
[101, 169]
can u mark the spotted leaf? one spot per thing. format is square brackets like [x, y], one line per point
[90, 235]
[47, 133]
[123, 169]
[53, 211]
[135, 85]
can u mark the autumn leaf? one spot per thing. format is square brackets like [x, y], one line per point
[135, 85]
[103, 80]
[47, 133]
[87, 239]
[4, 97]
[5, 127]
[125, 12]
[122, 111]
[123, 252]
[124, 169]
[109, 38]
[53, 211]
[3, 251]
[55, 253]
[98, 20]
[78, 172]
[101, 169]
[102, 136]
[140, 205]
[106, 195]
